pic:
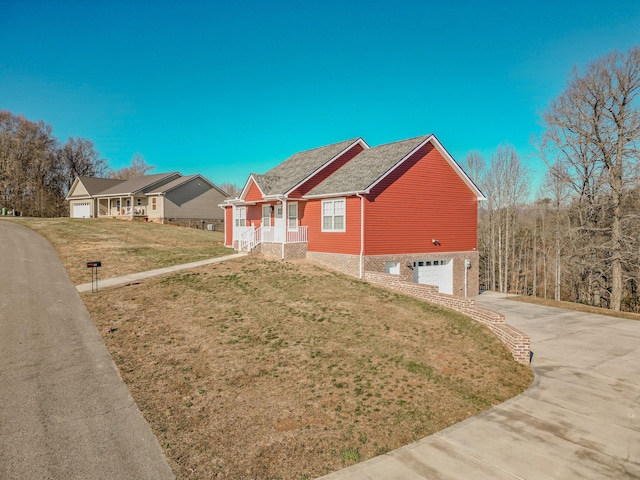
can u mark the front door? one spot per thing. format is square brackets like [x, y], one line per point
[279, 225]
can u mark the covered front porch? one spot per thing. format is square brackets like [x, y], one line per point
[123, 207]
[248, 238]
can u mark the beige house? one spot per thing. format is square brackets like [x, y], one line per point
[81, 197]
[163, 197]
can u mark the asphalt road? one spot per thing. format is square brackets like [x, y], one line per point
[65, 413]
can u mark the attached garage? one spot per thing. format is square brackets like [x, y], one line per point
[81, 210]
[438, 272]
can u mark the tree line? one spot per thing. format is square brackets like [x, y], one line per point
[579, 240]
[37, 171]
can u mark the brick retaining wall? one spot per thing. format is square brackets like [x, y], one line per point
[518, 343]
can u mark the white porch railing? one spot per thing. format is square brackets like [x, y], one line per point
[250, 237]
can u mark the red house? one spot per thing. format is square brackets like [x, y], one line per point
[405, 208]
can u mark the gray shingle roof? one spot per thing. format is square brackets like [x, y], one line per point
[172, 184]
[367, 167]
[138, 184]
[296, 168]
[96, 185]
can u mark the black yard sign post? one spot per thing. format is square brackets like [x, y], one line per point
[94, 273]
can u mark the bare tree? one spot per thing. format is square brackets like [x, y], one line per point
[78, 157]
[30, 176]
[232, 189]
[138, 168]
[593, 128]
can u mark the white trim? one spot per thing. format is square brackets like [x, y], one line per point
[289, 227]
[448, 158]
[237, 217]
[243, 193]
[334, 195]
[266, 225]
[359, 140]
[344, 215]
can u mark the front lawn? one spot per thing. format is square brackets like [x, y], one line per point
[264, 369]
[122, 246]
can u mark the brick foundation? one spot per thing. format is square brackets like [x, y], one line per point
[518, 343]
[348, 264]
[292, 251]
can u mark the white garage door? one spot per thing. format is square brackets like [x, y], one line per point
[435, 272]
[81, 210]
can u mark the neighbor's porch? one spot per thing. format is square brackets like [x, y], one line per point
[123, 207]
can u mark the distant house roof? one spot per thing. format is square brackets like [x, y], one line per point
[367, 167]
[94, 185]
[137, 184]
[298, 167]
[181, 181]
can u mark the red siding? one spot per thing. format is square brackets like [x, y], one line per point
[328, 170]
[333, 242]
[422, 200]
[254, 193]
[254, 215]
[228, 226]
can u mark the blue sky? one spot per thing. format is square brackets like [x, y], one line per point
[226, 88]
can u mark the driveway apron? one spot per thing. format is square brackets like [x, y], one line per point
[580, 419]
[65, 413]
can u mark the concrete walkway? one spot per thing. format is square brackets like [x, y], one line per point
[65, 413]
[580, 419]
[134, 277]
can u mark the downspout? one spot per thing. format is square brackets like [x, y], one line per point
[361, 235]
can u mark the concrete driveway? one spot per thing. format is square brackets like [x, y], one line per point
[65, 413]
[580, 419]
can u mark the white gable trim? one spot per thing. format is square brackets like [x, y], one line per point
[452, 163]
[359, 141]
[245, 189]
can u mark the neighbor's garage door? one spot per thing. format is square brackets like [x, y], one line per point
[81, 210]
[435, 272]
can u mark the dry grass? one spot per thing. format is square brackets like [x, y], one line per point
[579, 307]
[254, 369]
[123, 247]
[262, 369]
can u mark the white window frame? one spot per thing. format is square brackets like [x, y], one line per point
[266, 219]
[292, 220]
[240, 216]
[329, 206]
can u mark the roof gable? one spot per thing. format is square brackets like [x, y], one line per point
[299, 167]
[138, 184]
[178, 182]
[89, 186]
[371, 166]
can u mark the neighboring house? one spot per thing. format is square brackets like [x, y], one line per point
[159, 197]
[81, 197]
[405, 208]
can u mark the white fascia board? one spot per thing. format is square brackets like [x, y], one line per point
[465, 178]
[397, 164]
[445, 154]
[73, 186]
[115, 195]
[332, 195]
[246, 185]
[83, 197]
[326, 164]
